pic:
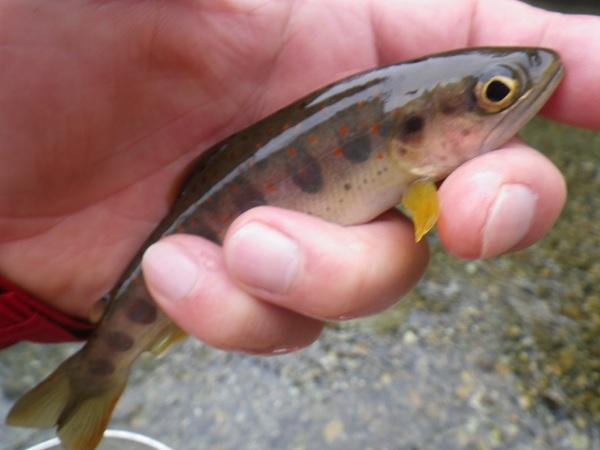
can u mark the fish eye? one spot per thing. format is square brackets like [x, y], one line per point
[496, 92]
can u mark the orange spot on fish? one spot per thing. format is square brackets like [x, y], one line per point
[257, 146]
[291, 152]
[270, 187]
[360, 103]
[380, 156]
[233, 188]
[344, 130]
[312, 139]
[338, 151]
[375, 128]
[286, 125]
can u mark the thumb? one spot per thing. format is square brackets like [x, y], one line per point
[499, 202]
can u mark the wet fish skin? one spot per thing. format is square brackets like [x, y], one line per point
[345, 153]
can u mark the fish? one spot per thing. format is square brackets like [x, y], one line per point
[346, 153]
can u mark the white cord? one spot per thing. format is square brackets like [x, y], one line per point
[153, 444]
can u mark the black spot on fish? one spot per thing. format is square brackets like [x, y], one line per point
[141, 311]
[101, 367]
[246, 196]
[305, 171]
[347, 186]
[534, 58]
[118, 341]
[412, 125]
[357, 149]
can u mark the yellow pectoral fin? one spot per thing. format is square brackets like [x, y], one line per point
[421, 201]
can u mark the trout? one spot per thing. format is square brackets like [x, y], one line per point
[345, 153]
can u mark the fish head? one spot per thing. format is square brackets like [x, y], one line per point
[467, 103]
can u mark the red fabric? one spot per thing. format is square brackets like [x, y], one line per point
[25, 318]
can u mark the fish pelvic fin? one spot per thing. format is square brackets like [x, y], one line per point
[422, 203]
[80, 411]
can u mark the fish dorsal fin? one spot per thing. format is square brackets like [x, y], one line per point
[421, 201]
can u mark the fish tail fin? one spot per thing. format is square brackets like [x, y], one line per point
[80, 411]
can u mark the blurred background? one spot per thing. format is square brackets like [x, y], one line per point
[501, 354]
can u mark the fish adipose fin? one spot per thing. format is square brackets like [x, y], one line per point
[80, 411]
[421, 202]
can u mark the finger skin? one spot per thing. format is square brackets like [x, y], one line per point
[215, 309]
[343, 272]
[469, 194]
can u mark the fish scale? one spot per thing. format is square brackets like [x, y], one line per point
[345, 153]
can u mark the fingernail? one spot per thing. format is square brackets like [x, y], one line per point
[271, 351]
[169, 272]
[509, 219]
[263, 258]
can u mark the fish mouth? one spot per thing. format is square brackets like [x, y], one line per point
[535, 99]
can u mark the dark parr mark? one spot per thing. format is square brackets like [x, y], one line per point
[413, 124]
[357, 149]
[141, 311]
[101, 367]
[246, 196]
[118, 341]
[305, 171]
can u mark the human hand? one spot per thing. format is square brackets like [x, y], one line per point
[104, 104]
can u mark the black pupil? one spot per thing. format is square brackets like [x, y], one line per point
[497, 91]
